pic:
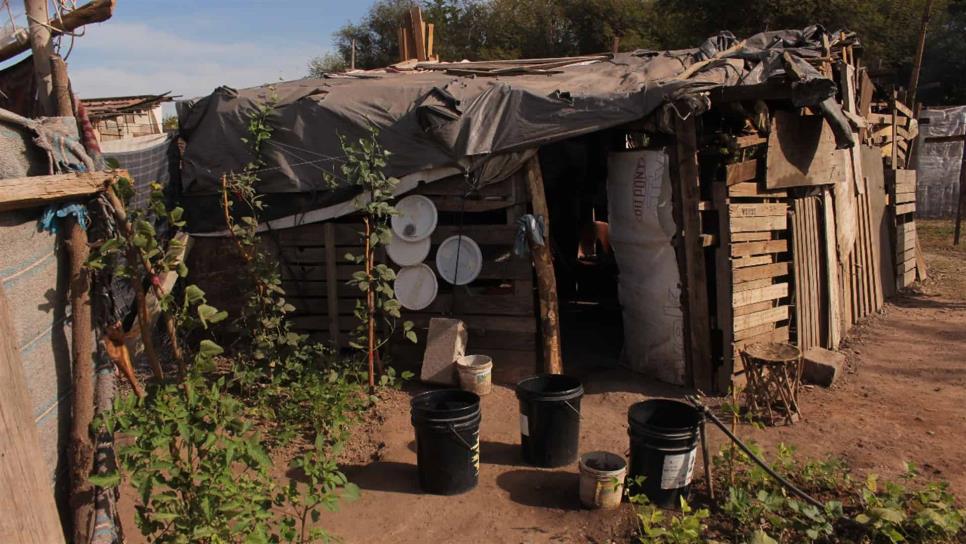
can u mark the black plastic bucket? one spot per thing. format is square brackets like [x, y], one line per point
[664, 439]
[550, 419]
[447, 427]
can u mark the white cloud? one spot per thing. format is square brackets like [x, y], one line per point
[124, 58]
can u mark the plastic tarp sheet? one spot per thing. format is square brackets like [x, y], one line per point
[431, 119]
[938, 163]
[641, 229]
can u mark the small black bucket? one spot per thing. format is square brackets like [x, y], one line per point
[664, 439]
[447, 427]
[550, 419]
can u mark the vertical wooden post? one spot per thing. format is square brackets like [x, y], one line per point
[696, 311]
[39, 32]
[961, 201]
[81, 445]
[370, 307]
[724, 286]
[831, 272]
[331, 283]
[546, 280]
[352, 58]
[920, 50]
[27, 501]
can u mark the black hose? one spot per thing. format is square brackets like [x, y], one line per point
[790, 486]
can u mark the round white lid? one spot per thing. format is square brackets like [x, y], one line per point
[415, 286]
[470, 260]
[415, 218]
[405, 253]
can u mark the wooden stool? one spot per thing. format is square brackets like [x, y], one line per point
[774, 372]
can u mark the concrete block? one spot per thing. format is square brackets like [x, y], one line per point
[822, 367]
[445, 342]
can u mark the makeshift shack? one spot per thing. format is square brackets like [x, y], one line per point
[695, 201]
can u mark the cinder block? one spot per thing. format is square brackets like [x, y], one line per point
[445, 342]
[822, 367]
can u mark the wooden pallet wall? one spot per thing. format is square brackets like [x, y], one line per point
[752, 261]
[811, 318]
[498, 307]
[902, 195]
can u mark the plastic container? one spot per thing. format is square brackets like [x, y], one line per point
[447, 425]
[405, 253]
[415, 286]
[415, 218]
[664, 439]
[602, 479]
[549, 419]
[459, 260]
[475, 372]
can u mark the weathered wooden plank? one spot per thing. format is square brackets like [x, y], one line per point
[758, 248]
[741, 172]
[903, 209]
[760, 272]
[751, 236]
[723, 287]
[752, 284]
[753, 308]
[33, 191]
[801, 152]
[753, 189]
[772, 315]
[686, 171]
[756, 224]
[905, 198]
[775, 334]
[756, 260]
[757, 210]
[27, 500]
[760, 294]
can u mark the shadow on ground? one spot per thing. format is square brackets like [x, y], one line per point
[541, 488]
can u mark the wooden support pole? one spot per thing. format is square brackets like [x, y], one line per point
[546, 280]
[37, 24]
[920, 50]
[331, 283]
[697, 321]
[62, 99]
[961, 201]
[92, 12]
[81, 445]
[29, 512]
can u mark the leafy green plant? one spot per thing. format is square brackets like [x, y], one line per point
[657, 526]
[363, 169]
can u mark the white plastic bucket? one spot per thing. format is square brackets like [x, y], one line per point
[602, 479]
[476, 373]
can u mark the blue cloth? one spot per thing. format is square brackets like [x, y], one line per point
[48, 219]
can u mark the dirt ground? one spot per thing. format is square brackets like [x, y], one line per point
[902, 398]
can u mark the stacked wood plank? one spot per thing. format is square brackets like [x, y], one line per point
[415, 36]
[752, 261]
[902, 194]
[893, 129]
[811, 321]
[312, 260]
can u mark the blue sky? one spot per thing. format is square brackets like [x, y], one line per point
[192, 46]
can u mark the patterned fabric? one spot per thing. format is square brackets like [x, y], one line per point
[148, 159]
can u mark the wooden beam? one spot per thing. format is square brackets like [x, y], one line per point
[93, 12]
[39, 32]
[27, 501]
[546, 280]
[33, 191]
[697, 318]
